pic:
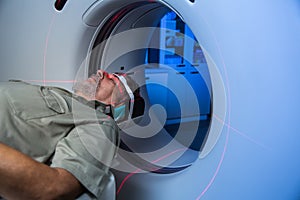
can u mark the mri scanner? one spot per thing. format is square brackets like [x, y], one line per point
[240, 142]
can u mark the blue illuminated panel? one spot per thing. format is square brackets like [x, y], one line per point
[185, 60]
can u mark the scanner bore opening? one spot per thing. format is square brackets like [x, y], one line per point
[176, 61]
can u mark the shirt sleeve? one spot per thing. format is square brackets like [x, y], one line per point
[87, 153]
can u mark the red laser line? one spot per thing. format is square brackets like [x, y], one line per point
[46, 48]
[240, 133]
[51, 81]
[229, 110]
[138, 170]
[218, 168]
[126, 178]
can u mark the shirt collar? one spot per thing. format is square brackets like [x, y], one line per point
[97, 105]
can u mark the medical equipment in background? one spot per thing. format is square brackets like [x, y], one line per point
[251, 49]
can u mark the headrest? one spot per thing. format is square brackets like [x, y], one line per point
[134, 108]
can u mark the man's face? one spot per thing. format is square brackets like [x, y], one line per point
[101, 86]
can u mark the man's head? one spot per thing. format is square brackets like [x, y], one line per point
[117, 90]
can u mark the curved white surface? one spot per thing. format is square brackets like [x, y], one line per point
[255, 48]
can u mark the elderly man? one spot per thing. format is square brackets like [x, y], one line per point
[57, 145]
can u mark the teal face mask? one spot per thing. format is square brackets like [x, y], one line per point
[119, 113]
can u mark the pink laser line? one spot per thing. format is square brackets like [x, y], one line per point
[229, 111]
[51, 81]
[46, 49]
[217, 170]
[138, 170]
[241, 133]
[126, 178]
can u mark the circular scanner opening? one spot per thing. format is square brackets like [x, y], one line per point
[151, 43]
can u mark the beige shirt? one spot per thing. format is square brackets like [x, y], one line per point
[55, 127]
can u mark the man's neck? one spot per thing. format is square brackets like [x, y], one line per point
[107, 102]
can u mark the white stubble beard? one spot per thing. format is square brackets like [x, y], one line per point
[87, 89]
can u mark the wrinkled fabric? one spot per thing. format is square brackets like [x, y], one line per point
[57, 128]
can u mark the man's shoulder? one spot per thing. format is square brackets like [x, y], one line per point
[20, 84]
[13, 85]
[16, 83]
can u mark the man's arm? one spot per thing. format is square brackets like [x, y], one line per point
[24, 178]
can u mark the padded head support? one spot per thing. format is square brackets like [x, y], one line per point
[132, 109]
